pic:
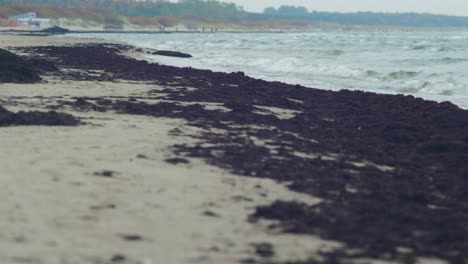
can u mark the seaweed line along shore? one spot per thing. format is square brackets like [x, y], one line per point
[109, 158]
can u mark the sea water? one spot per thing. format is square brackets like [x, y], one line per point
[431, 65]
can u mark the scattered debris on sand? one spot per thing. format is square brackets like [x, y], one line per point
[36, 118]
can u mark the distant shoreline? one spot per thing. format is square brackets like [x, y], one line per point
[39, 32]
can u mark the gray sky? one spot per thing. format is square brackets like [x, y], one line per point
[451, 7]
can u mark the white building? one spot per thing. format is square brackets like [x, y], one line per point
[30, 20]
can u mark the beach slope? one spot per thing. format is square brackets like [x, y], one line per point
[178, 165]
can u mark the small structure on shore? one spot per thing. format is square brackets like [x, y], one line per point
[29, 20]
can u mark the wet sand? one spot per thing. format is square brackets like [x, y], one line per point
[152, 175]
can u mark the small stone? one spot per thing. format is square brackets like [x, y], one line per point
[105, 173]
[118, 258]
[211, 214]
[141, 156]
[264, 249]
[132, 237]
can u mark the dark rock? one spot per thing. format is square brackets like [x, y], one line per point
[141, 156]
[211, 214]
[118, 258]
[169, 53]
[56, 30]
[132, 237]
[105, 173]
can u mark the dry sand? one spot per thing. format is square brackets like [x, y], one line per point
[54, 209]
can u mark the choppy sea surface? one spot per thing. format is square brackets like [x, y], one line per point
[431, 65]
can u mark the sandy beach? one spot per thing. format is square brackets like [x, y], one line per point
[163, 170]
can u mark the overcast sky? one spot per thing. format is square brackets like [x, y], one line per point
[451, 7]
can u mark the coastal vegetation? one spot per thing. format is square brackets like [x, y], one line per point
[97, 9]
[213, 12]
[362, 18]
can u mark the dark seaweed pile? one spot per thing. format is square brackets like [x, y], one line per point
[392, 169]
[14, 69]
[50, 118]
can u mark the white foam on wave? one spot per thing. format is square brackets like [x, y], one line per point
[426, 64]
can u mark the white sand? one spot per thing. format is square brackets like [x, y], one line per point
[53, 209]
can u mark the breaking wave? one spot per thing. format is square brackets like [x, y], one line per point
[427, 64]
